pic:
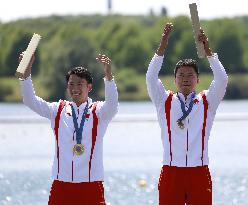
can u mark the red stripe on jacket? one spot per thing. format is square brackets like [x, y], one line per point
[94, 135]
[167, 113]
[205, 104]
[56, 129]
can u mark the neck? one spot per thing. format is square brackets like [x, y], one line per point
[78, 103]
[185, 94]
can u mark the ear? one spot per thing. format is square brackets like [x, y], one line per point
[90, 86]
[198, 79]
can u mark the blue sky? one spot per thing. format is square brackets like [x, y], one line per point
[208, 9]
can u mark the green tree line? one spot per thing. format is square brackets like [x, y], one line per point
[130, 41]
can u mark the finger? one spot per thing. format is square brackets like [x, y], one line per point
[105, 61]
[103, 57]
[201, 30]
[169, 24]
[168, 28]
[200, 38]
[99, 56]
[20, 57]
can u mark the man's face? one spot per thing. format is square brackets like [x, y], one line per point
[186, 80]
[78, 89]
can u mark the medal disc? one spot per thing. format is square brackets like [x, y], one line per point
[78, 149]
[180, 124]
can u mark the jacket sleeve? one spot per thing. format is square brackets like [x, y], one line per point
[156, 90]
[218, 86]
[108, 108]
[35, 103]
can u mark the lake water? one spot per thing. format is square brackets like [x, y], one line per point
[132, 152]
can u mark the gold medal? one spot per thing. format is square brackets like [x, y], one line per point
[180, 124]
[78, 149]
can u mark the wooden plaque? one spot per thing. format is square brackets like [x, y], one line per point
[196, 30]
[27, 56]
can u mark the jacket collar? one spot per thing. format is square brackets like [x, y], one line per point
[82, 106]
[188, 97]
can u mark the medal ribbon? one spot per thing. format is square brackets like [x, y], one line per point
[186, 113]
[79, 130]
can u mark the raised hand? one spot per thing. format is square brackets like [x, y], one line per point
[106, 62]
[167, 30]
[164, 39]
[204, 39]
[29, 68]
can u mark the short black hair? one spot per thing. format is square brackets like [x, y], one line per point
[80, 72]
[186, 62]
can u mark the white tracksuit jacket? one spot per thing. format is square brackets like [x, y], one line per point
[186, 147]
[67, 166]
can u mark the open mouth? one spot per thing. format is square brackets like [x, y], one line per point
[75, 94]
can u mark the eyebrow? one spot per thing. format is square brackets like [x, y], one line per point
[185, 73]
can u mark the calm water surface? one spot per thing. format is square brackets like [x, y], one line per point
[132, 152]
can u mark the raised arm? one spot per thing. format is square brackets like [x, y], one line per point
[34, 102]
[110, 106]
[155, 87]
[164, 39]
[218, 86]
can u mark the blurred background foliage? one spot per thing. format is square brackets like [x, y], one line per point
[130, 41]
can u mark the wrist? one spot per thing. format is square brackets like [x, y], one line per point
[108, 76]
[160, 51]
[209, 52]
[23, 78]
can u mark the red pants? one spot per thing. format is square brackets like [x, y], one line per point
[85, 193]
[180, 185]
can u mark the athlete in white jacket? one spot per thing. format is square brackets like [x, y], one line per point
[79, 127]
[185, 119]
